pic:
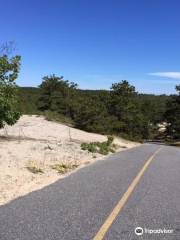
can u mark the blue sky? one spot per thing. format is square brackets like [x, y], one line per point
[96, 42]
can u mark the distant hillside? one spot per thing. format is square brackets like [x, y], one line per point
[29, 98]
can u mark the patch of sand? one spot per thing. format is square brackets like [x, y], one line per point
[41, 143]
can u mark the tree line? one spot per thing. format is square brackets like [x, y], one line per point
[121, 110]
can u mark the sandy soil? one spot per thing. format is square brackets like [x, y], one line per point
[34, 141]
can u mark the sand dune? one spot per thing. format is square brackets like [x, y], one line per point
[34, 141]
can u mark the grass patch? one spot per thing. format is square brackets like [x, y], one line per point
[64, 168]
[35, 169]
[100, 147]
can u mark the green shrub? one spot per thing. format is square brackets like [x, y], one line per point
[110, 140]
[99, 147]
[54, 116]
[91, 147]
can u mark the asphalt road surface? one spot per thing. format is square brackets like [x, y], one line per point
[107, 200]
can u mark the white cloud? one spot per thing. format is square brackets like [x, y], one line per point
[173, 75]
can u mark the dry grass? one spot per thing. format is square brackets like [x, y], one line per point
[64, 168]
[33, 167]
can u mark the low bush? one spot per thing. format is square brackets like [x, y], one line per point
[99, 147]
[110, 140]
[54, 116]
[91, 147]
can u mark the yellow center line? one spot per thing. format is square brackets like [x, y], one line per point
[108, 222]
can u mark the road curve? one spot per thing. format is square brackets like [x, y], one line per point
[76, 207]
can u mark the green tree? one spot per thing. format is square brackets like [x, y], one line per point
[91, 115]
[56, 94]
[122, 96]
[172, 115]
[125, 106]
[9, 69]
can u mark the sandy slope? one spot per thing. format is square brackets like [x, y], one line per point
[36, 141]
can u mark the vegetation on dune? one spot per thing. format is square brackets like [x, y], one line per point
[120, 111]
[56, 117]
[64, 168]
[34, 167]
[100, 147]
